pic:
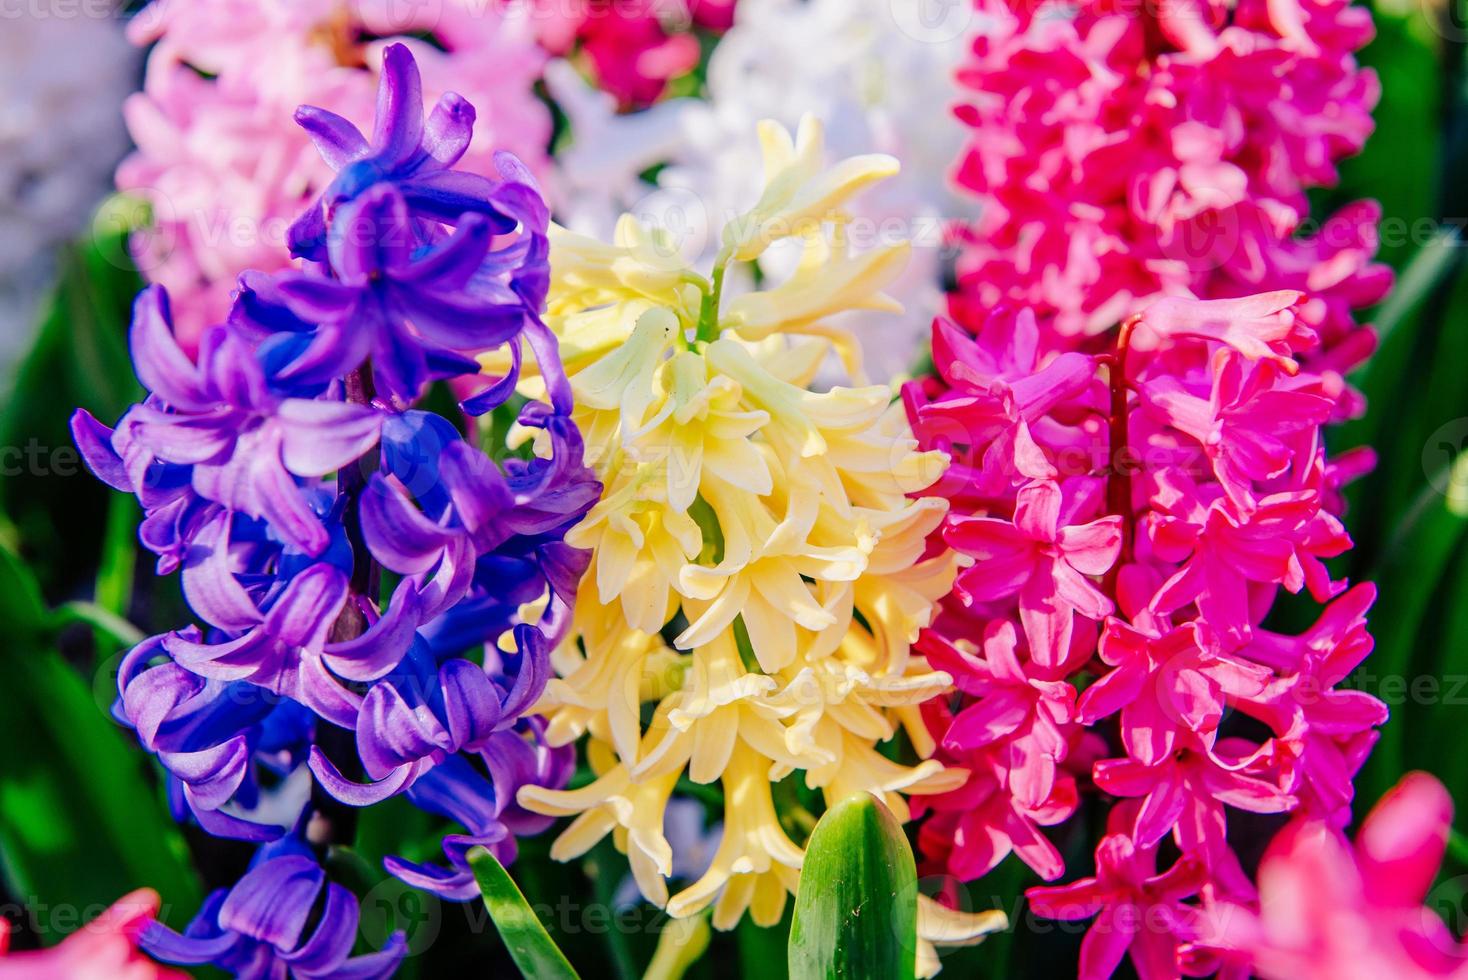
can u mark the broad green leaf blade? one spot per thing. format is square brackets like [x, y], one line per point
[1411, 571]
[856, 912]
[80, 358]
[22, 607]
[529, 944]
[79, 823]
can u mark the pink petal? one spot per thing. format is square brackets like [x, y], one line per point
[994, 716]
[1037, 510]
[1079, 592]
[1047, 620]
[1146, 729]
[1110, 694]
[1401, 842]
[1092, 548]
[1107, 941]
[1078, 900]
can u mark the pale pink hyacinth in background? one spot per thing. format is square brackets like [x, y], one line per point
[222, 163]
[104, 949]
[1331, 910]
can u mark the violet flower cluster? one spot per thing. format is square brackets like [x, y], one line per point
[1132, 516]
[287, 476]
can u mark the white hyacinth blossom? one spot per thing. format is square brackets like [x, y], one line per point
[879, 85]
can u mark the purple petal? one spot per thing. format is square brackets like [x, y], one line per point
[447, 195]
[534, 671]
[471, 703]
[151, 697]
[313, 686]
[184, 439]
[217, 823]
[461, 320]
[548, 357]
[272, 901]
[456, 885]
[370, 235]
[209, 583]
[398, 132]
[315, 299]
[477, 487]
[335, 350]
[356, 794]
[160, 362]
[398, 534]
[94, 441]
[320, 437]
[212, 774]
[331, 943]
[379, 965]
[391, 734]
[307, 234]
[307, 609]
[451, 263]
[231, 660]
[449, 129]
[498, 393]
[337, 140]
[164, 944]
[381, 648]
[513, 170]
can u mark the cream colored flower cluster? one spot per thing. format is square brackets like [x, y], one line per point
[759, 567]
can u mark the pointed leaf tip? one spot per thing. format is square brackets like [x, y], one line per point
[530, 946]
[856, 911]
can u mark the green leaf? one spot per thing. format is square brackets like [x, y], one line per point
[80, 358]
[1415, 562]
[79, 824]
[856, 911]
[108, 624]
[1420, 278]
[529, 944]
[22, 608]
[119, 554]
[765, 945]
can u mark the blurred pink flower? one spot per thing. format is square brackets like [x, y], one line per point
[103, 949]
[1328, 910]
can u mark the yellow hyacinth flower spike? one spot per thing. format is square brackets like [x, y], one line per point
[760, 565]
